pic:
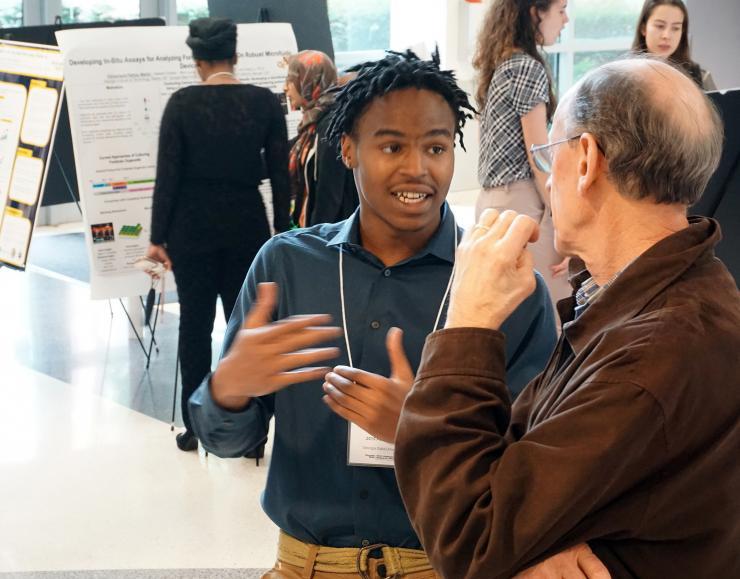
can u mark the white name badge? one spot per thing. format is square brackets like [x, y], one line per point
[364, 449]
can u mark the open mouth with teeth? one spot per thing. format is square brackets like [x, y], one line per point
[410, 197]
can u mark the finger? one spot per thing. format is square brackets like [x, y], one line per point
[488, 217]
[521, 231]
[306, 338]
[308, 357]
[344, 400]
[284, 379]
[276, 332]
[260, 313]
[346, 387]
[345, 413]
[501, 225]
[361, 377]
[574, 572]
[592, 566]
[400, 366]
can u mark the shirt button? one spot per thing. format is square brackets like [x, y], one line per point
[387, 272]
[375, 324]
[365, 542]
[364, 495]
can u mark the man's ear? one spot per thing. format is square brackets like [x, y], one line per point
[590, 162]
[349, 151]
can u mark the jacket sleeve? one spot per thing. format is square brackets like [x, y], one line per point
[276, 158]
[330, 184]
[222, 432]
[530, 338]
[487, 505]
[170, 163]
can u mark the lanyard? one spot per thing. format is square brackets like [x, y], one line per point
[344, 310]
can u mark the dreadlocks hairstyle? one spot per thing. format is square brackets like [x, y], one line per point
[507, 26]
[397, 71]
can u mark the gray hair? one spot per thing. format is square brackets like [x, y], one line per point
[666, 151]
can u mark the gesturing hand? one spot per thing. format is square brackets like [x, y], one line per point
[268, 356]
[371, 401]
[494, 271]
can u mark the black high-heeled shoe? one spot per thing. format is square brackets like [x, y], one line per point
[187, 441]
[257, 452]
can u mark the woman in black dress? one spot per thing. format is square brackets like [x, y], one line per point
[208, 218]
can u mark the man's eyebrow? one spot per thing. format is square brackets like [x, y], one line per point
[395, 133]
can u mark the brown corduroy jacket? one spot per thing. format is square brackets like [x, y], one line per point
[628, 440]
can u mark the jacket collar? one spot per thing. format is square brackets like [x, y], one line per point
[646, 277]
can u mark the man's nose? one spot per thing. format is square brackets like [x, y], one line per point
[415, 163]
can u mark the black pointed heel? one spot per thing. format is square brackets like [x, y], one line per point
[187, 441]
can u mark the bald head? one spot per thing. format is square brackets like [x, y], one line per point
[661, 136]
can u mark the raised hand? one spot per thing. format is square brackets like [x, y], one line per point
[494, 271]
[371, 401]
[268, 356]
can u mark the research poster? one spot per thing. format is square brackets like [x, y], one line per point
[118, 81]
[31, 79]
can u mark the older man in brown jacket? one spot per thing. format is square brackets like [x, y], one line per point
[629, 439]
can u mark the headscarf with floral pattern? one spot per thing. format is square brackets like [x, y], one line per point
[312, 73]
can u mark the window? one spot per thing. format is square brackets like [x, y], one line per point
[188, 10]
[11, 13]
[599, 31]
[360, 30]
[97, 10]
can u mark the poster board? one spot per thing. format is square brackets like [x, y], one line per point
[31, 83]
[118, 82]
[61, 182]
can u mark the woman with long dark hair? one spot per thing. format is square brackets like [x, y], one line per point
[516, 99]
[663, 30]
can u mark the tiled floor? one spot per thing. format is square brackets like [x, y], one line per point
[91, 483]
[90, 478]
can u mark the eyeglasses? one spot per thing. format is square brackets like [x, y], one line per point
[542, 154]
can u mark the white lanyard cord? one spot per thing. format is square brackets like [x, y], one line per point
[344, 309]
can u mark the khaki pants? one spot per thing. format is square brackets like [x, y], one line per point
[522, 197]
[285, 571]
[299, 560]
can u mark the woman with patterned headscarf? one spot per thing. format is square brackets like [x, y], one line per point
[323, 189]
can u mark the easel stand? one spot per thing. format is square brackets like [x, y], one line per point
[147, 350]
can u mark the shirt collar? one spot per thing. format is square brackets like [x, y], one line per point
[440, 245]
